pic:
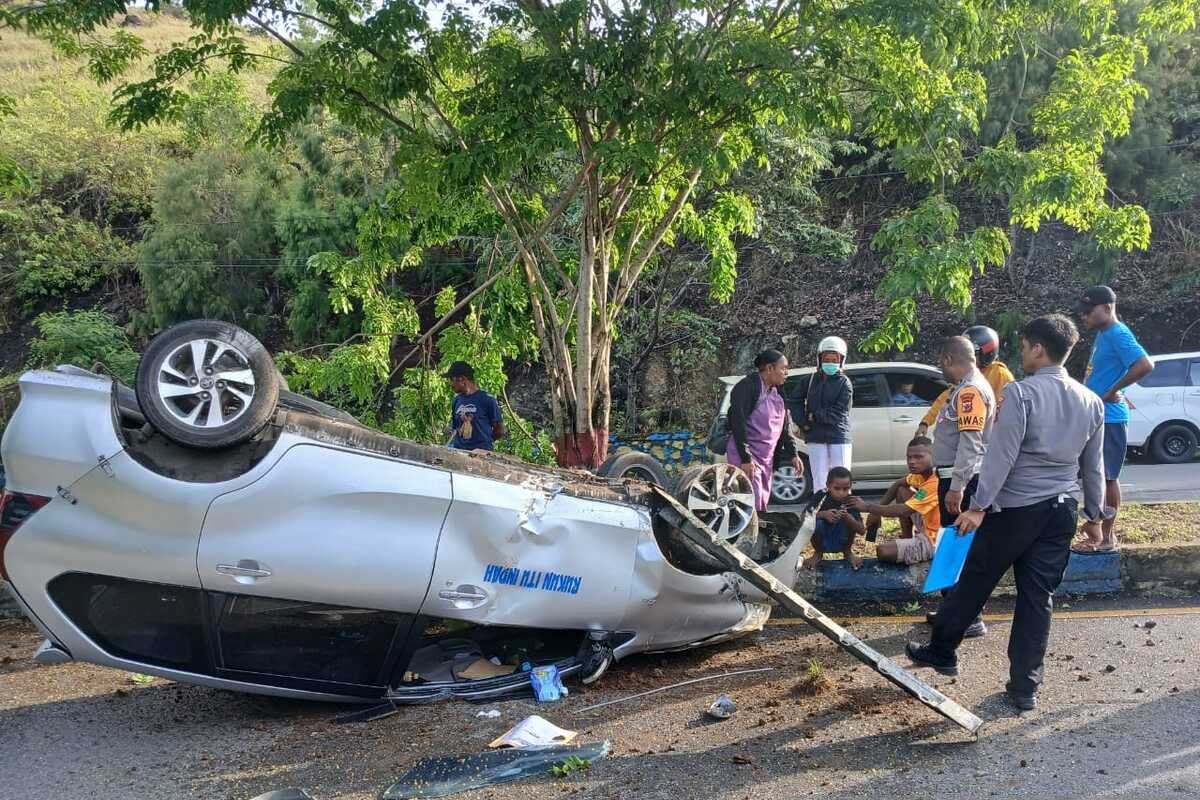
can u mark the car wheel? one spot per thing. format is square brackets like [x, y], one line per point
[207, 384]
[1174, 443]
[635, 465]
[788, 488]
[721, 497]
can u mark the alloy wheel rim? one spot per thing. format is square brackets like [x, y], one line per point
[206, 383]
[721, 497]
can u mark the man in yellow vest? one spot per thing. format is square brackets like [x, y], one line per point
[995, 371]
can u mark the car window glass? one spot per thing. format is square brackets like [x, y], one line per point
[923, 389]
[1170, 372]
[866, 390]
[1196, 372]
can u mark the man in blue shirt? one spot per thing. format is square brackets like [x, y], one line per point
[476, 418]
[1117, 361]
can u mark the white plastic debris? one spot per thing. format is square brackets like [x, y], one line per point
[534, 731]
[722, 708]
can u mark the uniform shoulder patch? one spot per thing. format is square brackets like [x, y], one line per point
[972, 409]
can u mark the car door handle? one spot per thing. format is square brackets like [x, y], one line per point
[452, 594]
[244, 569]
[902, 419]
[465, 597]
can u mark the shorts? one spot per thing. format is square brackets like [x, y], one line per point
[1114, 449]
[944, 489]
[915, 550]
[831, 537]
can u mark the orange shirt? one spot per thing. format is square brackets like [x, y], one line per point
[925, 502]
[996, 374]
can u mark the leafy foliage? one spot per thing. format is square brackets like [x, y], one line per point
[83, 338]
[47, 254]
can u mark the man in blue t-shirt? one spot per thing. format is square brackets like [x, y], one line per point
[1117, 361]
[476, 418]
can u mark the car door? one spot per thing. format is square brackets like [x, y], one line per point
[1160, 395]
[1191, 397]
[315, 571]
[870, 425]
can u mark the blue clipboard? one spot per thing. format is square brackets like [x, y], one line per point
[948, 561]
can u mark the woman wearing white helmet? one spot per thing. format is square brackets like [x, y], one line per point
[830, 398]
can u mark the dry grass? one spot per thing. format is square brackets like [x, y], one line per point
[29, 65]
[1160, 523]
[1138, 524]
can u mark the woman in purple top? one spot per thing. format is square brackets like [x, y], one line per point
[760, 426]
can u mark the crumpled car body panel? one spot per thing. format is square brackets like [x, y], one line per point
[326, 534]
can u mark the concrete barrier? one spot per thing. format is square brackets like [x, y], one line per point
[1164, 569]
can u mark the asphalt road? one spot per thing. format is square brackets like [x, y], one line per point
[1117, 720]
[1155, 483]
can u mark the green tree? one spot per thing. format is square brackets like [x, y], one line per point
[587, 130]
[210, 249]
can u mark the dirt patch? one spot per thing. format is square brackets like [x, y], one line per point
[816, 681]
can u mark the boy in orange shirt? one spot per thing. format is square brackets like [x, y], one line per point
[917, 509]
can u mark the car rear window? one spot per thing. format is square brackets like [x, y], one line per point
[1171, 372]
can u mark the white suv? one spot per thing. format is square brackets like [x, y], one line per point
[1164, 413]
[880, 428]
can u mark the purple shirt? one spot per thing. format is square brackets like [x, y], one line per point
[763, 429]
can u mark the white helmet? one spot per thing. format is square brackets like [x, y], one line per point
[833, 344]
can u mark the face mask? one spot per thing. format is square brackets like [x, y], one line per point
[829, 369]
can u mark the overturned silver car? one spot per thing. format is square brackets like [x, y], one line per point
[212, 528]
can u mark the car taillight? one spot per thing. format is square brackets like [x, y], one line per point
[15, 509]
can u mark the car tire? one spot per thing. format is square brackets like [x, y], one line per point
[634, 465]
[1173, 443]
[207, 384]
[693, 487]
[787, 489]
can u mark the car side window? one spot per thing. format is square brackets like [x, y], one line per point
[1169, 372]
[866, 390]
[1196, 372]
[912, 389]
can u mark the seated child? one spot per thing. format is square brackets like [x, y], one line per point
[903, 396]
[837, 522]
[917, 509]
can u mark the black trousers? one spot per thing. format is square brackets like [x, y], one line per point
[948, 518]
[1035, 541]
[944, 489]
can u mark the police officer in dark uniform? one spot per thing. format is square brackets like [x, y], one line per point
[1049, 431]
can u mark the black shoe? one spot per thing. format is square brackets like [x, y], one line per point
[1023, 702]
[930, 616]
[975, 630]
[921, 654]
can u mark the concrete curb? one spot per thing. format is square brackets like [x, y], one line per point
[1162, 569]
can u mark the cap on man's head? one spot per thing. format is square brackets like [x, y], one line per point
[1095, 296]
[461, 369]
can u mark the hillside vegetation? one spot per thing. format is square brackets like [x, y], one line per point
[108, 235]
